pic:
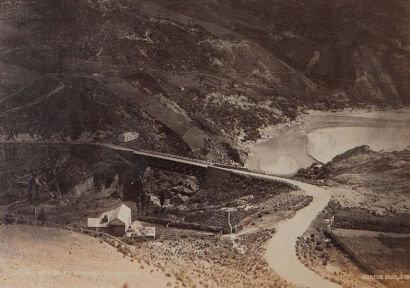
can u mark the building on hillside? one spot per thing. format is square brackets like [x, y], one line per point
[114, 222]
[128, 136]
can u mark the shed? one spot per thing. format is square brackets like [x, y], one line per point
[128, 136]
[114, 222]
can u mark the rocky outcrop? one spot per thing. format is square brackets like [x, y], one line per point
[60, 173]
[168, 189]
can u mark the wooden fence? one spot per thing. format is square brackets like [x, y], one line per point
[112, 240]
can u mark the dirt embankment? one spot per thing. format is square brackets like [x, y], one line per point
[362, 220]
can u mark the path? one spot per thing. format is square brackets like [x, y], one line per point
[59, 88]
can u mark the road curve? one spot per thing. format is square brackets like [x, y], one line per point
[281, 249]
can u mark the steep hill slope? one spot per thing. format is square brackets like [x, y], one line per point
[232, 66]
[49, 256]
[79, 108]
[382, 178]
[62, 173]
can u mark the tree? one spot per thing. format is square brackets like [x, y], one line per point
[162, 198]
[41, 215]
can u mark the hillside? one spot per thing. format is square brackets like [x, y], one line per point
[62, 174]
[78, 108]
[231, 67]
[381, 178]
[48, 257]
[373, 168]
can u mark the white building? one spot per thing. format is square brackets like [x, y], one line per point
[115, 222]
[128, 136]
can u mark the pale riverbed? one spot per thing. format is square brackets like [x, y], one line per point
[323, 137]
[280, 251]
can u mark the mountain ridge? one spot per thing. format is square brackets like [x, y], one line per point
[231, 66]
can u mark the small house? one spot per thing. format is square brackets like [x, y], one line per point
[114, 222]
[128, 136]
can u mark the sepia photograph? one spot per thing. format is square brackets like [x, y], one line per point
[204, 143]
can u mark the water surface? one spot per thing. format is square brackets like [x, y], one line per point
[323, 137]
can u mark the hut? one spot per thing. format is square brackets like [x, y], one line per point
[114, 222]
[128, 136]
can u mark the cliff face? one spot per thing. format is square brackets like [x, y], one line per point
[63, 174]
[229, 66]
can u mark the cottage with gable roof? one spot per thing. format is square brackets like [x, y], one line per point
[114, 222]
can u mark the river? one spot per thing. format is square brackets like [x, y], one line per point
[322, 137]
[281, 249]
